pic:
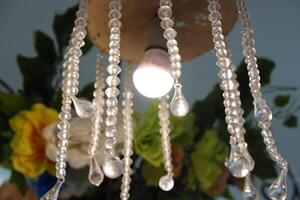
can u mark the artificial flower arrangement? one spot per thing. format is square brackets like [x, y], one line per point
[28, 141]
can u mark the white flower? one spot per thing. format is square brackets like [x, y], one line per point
[80, 133]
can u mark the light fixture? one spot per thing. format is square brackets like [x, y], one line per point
[154, 77]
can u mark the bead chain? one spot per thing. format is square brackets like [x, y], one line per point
[113, 80]
[70, 86]
[249, 52]
[164, 122]
[99, 103]
[165, 14]
[128, 132]
[229, 84]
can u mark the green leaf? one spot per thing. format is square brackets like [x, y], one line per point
[264, 166]
[19, 180]
[5, 153]
[291, 121]
[152, 174]
[37, 78]
[10, 103]
[282, 100]
[62, 26]
[266, 67]
[87, 91]
[44, 46]
[208, 158]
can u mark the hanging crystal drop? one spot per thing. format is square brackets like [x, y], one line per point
[96, 175]
[239, 162]
[179, 105]
[166, 183]
[83, 108]
[278, 189]
[262, 112]
[112, 167]
[52, 194]
[249, 192]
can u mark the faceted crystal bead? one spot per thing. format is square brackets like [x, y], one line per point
[164, 12]
[170, 34]
[278, 189]
[179, 105]
[112, 167]
[239, 163]
[249, 192]
[96, 175]
[262, 112]
[167, 23]
[166, 183]
[83, 108]
[53, 193]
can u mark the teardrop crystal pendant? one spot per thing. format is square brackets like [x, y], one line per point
[179, 105]
[83, 108]
[96, 175]
[262, 112]
[278, 189]
[239, 163]
[249, 192]
[166, 183]
[112, 167]
[52, 194]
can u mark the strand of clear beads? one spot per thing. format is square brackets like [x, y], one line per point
[99, 103]
[240, 162]
[178, 106]
[112, 166]
[128, 133]
[69, 89]
[262, 112]
[166, 182]
[95, 174]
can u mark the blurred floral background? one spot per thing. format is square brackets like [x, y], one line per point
[28, 119]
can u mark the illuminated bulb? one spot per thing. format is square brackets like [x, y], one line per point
[152, 78]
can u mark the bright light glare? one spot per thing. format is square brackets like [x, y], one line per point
[152, 81]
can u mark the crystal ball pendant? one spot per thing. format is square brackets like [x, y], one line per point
[112, 167]
[240, 162]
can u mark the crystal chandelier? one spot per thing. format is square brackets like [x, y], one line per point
[165, 65]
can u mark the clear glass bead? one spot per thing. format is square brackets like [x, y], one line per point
[96, 175]
[166, 183]
[179, 105]
[53, 193]
[112, 80]
[249, 191]
[170, 34]
[278, 189]
[262, 112]
[239, 163]
[112, 167]
[167, 23]
[113, 69]
[164, 12]
[112, 92]
[83, 108]
[114, 23]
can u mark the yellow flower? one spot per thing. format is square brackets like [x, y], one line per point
[28, 144]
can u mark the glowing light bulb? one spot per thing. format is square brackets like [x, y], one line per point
[152, 78]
